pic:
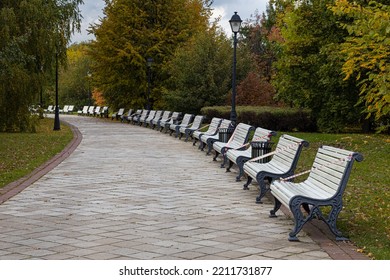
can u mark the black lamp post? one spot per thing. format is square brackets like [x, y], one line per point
[89, 88]
[235, 24]
[149, 63]
[56, 110]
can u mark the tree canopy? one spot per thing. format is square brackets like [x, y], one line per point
[32, 34]
[132, 31]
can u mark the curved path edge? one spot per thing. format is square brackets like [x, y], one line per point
[16, 187]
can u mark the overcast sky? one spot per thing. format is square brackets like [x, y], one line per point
[92, 10]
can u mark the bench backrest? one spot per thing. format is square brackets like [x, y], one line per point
[175, 116]
[331, 168]
[187, 119]
[158, 115]
[241, 133]
[197, 122]
[120, 112]
[91, 109]
[288, 150]
[97, 109]
[166, 115]
[70, 108]
[85, 109]
[263, 135]
[226, 123]
[151, 115]
[214, 125]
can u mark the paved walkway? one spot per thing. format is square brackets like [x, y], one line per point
[129, 192]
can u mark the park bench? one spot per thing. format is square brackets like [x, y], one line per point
[256, 147]
[212, 129]
[187, 131]
[185, 122]
[91, 110]
[118, 115]
[141, 118]
[173, 119]
[50, 109]
[283, 163]
[96, 112]
[324, 187]
[134, 117]
[208, 140]
[64, 109]
[146, 121]
[236, 141]
[126, 117]
[156, 118]
[165, 117]
[84, 111]
[104, 112]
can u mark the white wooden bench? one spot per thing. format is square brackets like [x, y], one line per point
[104, 112]
[187, 131]
[118, 115]
[165, 117]
[142, 117]
[240, 156]
[185, 122]
[173, 119]
[155, 119]
[91, 110]
[207, 140]
[212, 129]
[239, 137]
[83, 112]
[96, 111]
[145, 122]
[283, 163]
[324, 187]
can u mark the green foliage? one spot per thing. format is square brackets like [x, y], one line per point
[31, 34]
[367, 55]
[274, 118]
[309, 67]
[131, 32]
[200, 74]
[75, 84]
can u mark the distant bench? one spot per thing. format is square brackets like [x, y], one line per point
[324, 187]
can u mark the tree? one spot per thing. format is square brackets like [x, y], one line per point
[132, 31]
[32, 34]
[309, 64]
[367, 55]
[75, 80]
[200, 73]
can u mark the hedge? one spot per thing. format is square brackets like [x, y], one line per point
[273, 118]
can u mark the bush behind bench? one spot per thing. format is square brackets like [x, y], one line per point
[273, 118]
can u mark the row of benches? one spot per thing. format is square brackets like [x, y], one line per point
[95, 111]
[273, 171]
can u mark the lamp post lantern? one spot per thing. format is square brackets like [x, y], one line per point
[149, 63]
[235, 24]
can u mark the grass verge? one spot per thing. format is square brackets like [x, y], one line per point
[21, 153]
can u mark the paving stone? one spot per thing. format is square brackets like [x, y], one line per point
[129, 192]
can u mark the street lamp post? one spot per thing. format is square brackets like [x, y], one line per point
[235, 24]
[89, 74]
[149, 63]
[56, 110]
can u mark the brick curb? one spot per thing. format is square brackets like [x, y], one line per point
[16, 187]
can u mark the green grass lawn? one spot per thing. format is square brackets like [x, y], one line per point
[366, 214]
[21, 153]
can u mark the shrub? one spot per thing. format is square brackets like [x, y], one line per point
[273, 118]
